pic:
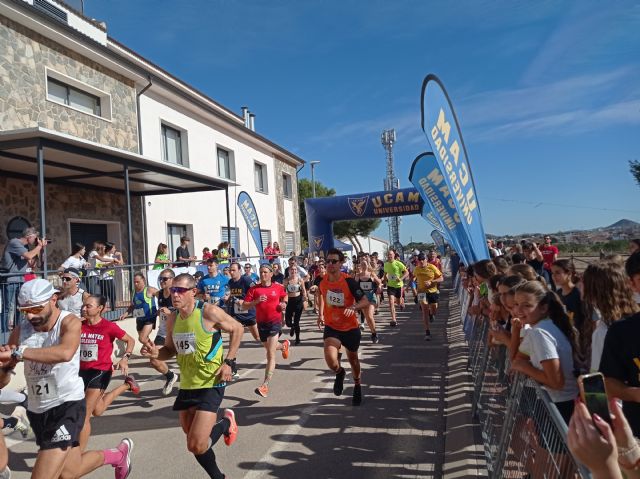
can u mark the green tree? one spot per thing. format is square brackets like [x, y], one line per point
[305, 190]
[351, 229]
[634, 167]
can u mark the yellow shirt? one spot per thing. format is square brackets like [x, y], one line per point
[424, 274]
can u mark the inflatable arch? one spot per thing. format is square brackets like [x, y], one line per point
[322, 212]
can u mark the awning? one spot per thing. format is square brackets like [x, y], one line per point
[75, 162]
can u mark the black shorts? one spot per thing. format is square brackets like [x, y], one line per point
[59, 427]
[95, 379]
[207, 399]
[349, 339]
[159, 340]
[246, 322]
[269, 329]
[433, 298]
[396, 292]
[142, 322]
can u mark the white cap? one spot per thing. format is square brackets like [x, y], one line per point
[416, 252]
[315, 258]
[35, 292]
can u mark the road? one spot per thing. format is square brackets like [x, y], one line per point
[301, 431]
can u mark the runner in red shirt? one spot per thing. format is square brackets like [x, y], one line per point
[550, 256]
[269, 299]
[96, 348]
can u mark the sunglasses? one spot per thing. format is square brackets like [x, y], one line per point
[33, 309]
[165, 278]
[179, 290]
[247, 267]
[65, 279]
[333, 261]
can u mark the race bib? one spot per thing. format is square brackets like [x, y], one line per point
[366, 286]
[237, 308]
[293, 288]
[422, 297]
[335, 298]
[393, 277]
[88, 352]
[43, 388]
[185, 343]
[138, 313]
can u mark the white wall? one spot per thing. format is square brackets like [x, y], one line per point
[206, 211]
[370, 244]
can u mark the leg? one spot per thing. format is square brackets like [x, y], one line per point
[288, 313]
[92, 396]
[271, 345]
[105, 401]
[49, 463]
[4, 454]
[253, 329]
[392, 307]
[354, 361]
[296, 320]
[79, 464]
[425, 309]
[368, 316]
[331, 349]
[198, 426]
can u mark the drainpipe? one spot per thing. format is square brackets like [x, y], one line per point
[143, 203]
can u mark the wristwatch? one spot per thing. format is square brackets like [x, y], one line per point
[230, 362]
[18, 353]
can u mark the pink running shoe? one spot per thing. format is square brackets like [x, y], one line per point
[124, 468]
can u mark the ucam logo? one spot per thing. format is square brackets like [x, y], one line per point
[317, 241]
[358, 205]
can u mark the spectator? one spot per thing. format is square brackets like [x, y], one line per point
[206, 254]
[93, 276]
[518, 258]
[605, 289]
[76, 259]
[108, 273]
[534, 257]
[161, 261]
[223, 253]
[276, 249]
[268, 252]
[634, 245]
[15, 261]
[564, 277]
[183, 256]
[524, 271]
[550, 255]
[632, 267]
[293, 262]
[277, 277]
[493, 252]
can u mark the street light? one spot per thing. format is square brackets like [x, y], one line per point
[313, 181]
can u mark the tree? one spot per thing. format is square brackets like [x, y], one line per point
[634, 167]
[351, 229]
[305, 190]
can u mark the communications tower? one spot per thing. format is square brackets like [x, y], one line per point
[388, 138]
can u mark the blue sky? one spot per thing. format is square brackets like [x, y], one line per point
[547, 92]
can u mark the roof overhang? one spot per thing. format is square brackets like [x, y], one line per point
[74, 162]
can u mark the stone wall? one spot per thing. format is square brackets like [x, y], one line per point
[24, 55]
[280, 168]
[20, 198]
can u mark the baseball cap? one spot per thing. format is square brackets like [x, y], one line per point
[72, 272]
[316, 258]
[421, 256]
[35, 292]
[416, 252]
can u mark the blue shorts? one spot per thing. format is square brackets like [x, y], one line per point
[265, 330]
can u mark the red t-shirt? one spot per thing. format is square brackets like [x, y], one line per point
[96, 344]
[266, 311]
[548, 253]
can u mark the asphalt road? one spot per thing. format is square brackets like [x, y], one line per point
[301, 431]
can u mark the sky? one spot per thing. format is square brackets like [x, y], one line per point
[546, 92]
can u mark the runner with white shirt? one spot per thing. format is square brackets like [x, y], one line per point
[71, 296]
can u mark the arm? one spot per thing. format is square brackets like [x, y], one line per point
[320, 302]
[550, 375]
[123, 364]
[60, 353]
[8, 365]
[216, 318]
[538, 253]
[167, 351]
[618, 389]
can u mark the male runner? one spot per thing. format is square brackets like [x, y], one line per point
[71, 296]
[395, 272]
[213, 286]
[49, 343]
[239, 285]
[339, 298]
[194, 337]
[427, 279]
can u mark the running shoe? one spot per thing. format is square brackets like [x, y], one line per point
[231, 436]
[375, 339]
[292, 332]
[338, 383]
[297, 341]
[357, 395]
[285, 348]
[415, 299]
[134, 387]
[235, 376]
[123, 468]
[262, 390]
[6, 474]
[427, 335]
[168, 385]
[394, 324]
[23, 425]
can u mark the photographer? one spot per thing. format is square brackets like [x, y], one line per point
[15, 260]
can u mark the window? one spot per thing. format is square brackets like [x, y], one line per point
[286, 186]
[226, 164]
[289, 242]
[74, 97]
[172, 145]
[260, 174]
[265, 236]
[235, 239]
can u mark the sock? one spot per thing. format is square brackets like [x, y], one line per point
[339, 357]
[208, 462]
[7, 396]
[168, 374]
[220, 428]
[112, 456]
[339, 371]
[10, 422]
[267, 377]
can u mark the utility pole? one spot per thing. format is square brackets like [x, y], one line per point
[391, 183]
[313, 180]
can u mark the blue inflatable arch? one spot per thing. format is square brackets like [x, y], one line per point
[322, 212]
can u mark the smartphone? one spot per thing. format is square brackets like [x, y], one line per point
[594, 395]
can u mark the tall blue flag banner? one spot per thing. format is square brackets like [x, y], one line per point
[440, 125]
[250, 215]
[438, 239]
[433, 221]
[426, 176]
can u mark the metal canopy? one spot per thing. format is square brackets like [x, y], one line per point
[74, 162]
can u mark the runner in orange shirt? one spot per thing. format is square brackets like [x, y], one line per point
[339, 298]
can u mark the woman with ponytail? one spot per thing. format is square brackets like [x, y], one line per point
[546, 353]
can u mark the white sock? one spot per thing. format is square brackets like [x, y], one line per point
[8, 396]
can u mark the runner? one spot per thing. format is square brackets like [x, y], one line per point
[96, 348]
[297, 295]
[238, 287]
[268, 299]
[427, 279]
[376, 268]
[413, 262]
[395, 273]
[194, 337]
[165, 306]
[144, 310]
[369, 283]
[213, 287]
[48, 341]
[71, 295]
[248, 272]
[434, 260]
[339, 299]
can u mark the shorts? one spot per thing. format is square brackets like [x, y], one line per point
[350, 339]
[413, 285]
[371, 296]
[206, 399]
[265, 330]
[246, 322]
[60, 426]
[95, 379]
[397, 292]
[433, 298]
[159, 340]
[141, 323]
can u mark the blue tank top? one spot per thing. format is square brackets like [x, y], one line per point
[144, 306]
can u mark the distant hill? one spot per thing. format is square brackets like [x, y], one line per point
[623, 224]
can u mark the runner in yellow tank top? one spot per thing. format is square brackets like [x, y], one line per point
[194, 337]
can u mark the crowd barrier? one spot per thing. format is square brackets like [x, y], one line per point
[523, 433]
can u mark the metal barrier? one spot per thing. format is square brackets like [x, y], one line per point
[523, 433]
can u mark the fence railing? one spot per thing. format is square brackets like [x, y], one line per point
[523, 433]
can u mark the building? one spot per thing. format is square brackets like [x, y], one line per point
[97, 142]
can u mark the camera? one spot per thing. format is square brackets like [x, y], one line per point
[46, 240]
